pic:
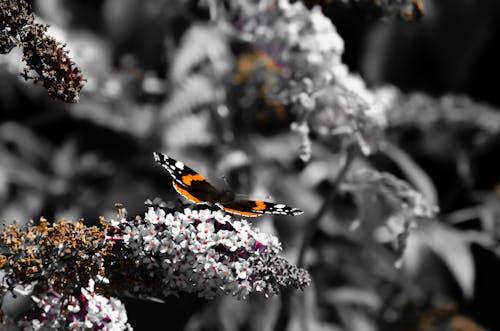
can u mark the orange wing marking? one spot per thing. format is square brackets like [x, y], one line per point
[187, 179]
[242, 213]
[260, 205]
[185, 193]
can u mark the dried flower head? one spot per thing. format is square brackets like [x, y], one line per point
[64, 255]
[50, 61]
[45, 57]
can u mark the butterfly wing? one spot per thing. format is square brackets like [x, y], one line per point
[252, 208]
[195, 195]
[186, 181]
[195, 188]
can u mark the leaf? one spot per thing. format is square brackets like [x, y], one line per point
[199, 43]
[175, 136]
[195, 91]
[353, 296]
[305, 313]
[28, 144]
[63, 161]
[230, 314]
[384, 200]
[356, 320]
[450, 245]
[415, 174]
[16, 302]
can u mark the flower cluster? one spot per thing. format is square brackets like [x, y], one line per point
[322, 92]
[203, 252]
[44, 56]
[75, 270]
[423, 111]
[88, 311]
[50, 61]
[405, 205]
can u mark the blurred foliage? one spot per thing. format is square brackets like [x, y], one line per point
[264, 101]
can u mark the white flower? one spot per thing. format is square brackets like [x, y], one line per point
[205, 230]
[73, 308]
[242, 269]
[167, 246]
[152, 245]
[201, 246]
[243, 290]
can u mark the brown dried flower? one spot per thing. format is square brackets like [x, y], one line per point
[44, 56]
[64, 254]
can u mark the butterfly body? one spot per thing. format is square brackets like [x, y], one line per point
[194, 187]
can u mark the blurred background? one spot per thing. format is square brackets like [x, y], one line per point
[160, 77]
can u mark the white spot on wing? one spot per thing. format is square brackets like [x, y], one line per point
[179, 165]
[279, 206]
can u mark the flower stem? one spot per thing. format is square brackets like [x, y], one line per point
[287, 296]
[313, 223]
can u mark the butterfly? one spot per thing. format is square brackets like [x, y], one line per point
[195, 188]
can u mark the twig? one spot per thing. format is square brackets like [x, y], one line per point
[286, 297]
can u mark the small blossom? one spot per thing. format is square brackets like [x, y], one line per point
[205, 229]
